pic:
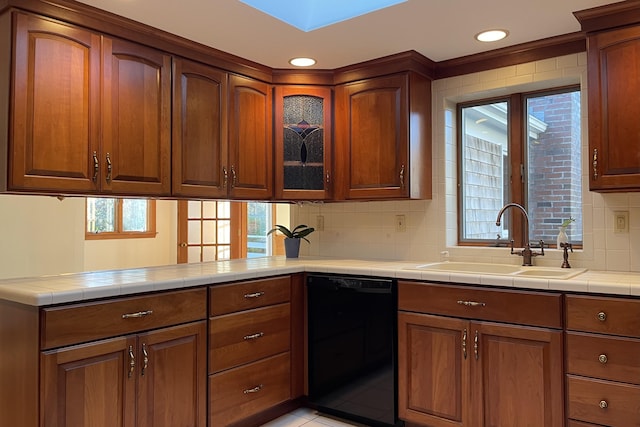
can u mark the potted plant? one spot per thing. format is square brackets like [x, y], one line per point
[292, 238]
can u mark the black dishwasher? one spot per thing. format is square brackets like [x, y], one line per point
[352, 324]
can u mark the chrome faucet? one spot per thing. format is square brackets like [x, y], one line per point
[526, 253]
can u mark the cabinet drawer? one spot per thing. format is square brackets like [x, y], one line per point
[234, 297]
[522, 307]
[586, 396]
[573, 423]
[241, 392]
[79, 323]
[243, 337]
[606, 357]
[618, 316]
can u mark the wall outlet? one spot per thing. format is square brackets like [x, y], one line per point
[401, 224]
[621, 222]
[320, 223]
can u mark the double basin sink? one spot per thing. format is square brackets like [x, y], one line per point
[501, 270]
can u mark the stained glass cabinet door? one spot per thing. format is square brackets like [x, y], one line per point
[303, 136]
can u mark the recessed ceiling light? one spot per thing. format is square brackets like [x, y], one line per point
[302, 62]
[492, 35]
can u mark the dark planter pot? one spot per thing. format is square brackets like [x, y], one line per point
[291, 247]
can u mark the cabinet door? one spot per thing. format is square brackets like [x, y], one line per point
[199, 130]
[89, 385]
[250, 139]
[172, 376]
[517, 376]
[136, 129]
[433, 370]
[614, 107]
[371, 138]
[302, 142]
[55, 110]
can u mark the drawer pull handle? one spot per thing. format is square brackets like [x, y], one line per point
[137, 315]
[602, 316]
[604, 404]
[145, 359]
[253, 336]
[254, 295]
[253, 390]
[132, 362]
[472, 303]
[603, 359]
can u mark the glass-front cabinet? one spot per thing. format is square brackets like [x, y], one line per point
[303, 143]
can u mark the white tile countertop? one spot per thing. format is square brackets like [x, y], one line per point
[65, 288]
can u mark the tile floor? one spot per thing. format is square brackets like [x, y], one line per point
[308, 418]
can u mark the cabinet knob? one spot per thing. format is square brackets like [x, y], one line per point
[602, 316]
[604, 404]
[603, 359]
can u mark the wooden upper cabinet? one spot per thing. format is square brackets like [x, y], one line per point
[55, 115]
[85, 118]
[303, 147]
[199, 130]
[383, 133]
[249, 168]
[136, 117]
[614, 108]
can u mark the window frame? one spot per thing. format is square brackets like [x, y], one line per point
[119, 233]
[517, 161]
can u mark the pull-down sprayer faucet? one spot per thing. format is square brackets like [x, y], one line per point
[526, 253]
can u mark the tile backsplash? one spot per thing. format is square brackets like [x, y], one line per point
[367, 230]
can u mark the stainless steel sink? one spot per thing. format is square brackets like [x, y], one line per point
[501, 269]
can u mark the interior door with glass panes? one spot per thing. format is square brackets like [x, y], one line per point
[208, 230]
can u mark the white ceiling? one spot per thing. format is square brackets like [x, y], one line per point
[438, 29]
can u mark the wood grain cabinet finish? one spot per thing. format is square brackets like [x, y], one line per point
[382, 138]
[78, 323]
[240, 393]
[603, 360]
[199, 149]
[458, 371]
[255, 348]
[138, 361]
[55, 119]
[249, 168]
[91, 114]
[153, 379]
[136, 115]
[614, 85]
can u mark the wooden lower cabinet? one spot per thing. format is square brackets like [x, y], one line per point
[157, 378]
[603, 361]
[95, 378]
[433, 373]
[256, 340]
[241, 392]
[455, 371]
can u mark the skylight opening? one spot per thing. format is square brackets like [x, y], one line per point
[309, 15]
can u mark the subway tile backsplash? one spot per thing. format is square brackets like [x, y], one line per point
[367, 229]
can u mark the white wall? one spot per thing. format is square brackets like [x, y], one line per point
[42, 235]
[366, 229]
